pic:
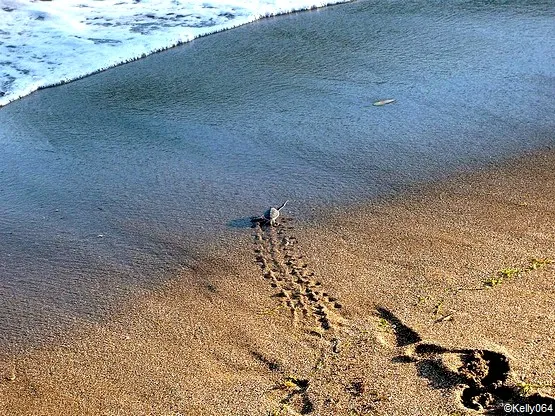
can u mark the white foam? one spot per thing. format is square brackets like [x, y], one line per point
[45, 43]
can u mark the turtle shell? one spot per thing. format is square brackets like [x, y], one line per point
[271, 214]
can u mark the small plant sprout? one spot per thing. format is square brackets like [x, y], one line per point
[439, 308]
[295, 383]
[384, 325]
[283, 410]
[422, 300]
[526, 388]
[501, 275]
[509, 272]
[493, 281]
[290, 383]
[538, 263]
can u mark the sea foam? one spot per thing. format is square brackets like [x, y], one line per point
[46, 43]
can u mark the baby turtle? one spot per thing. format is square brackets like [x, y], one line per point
[270, 216]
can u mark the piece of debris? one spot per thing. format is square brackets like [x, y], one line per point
[384, 102]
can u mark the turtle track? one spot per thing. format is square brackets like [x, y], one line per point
[283, 265]
[282, 262]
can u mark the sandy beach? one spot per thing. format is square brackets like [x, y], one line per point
[435, 301]
[411, 273]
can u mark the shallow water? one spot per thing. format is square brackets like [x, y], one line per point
[112, 182]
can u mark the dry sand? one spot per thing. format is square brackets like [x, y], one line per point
[382, 310]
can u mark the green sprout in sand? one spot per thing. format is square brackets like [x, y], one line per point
[384, 325]
[509, 272]
[502, 275]
[283, 410]
[526, 388]
[538, 263]
[439, 308]
[422, 300]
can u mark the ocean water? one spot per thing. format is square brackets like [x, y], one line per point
[45, 43]
[113, 182]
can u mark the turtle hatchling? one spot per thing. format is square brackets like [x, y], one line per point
[272, 214]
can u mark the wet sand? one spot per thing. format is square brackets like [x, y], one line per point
[436, 301]
[108, 184]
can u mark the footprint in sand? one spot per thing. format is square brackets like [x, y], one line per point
[481, 377]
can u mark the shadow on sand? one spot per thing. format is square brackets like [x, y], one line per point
[246, 222]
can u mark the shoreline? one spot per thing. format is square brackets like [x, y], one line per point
[175, 43]
[411, 293]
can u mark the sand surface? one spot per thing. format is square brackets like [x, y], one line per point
[436, 301]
